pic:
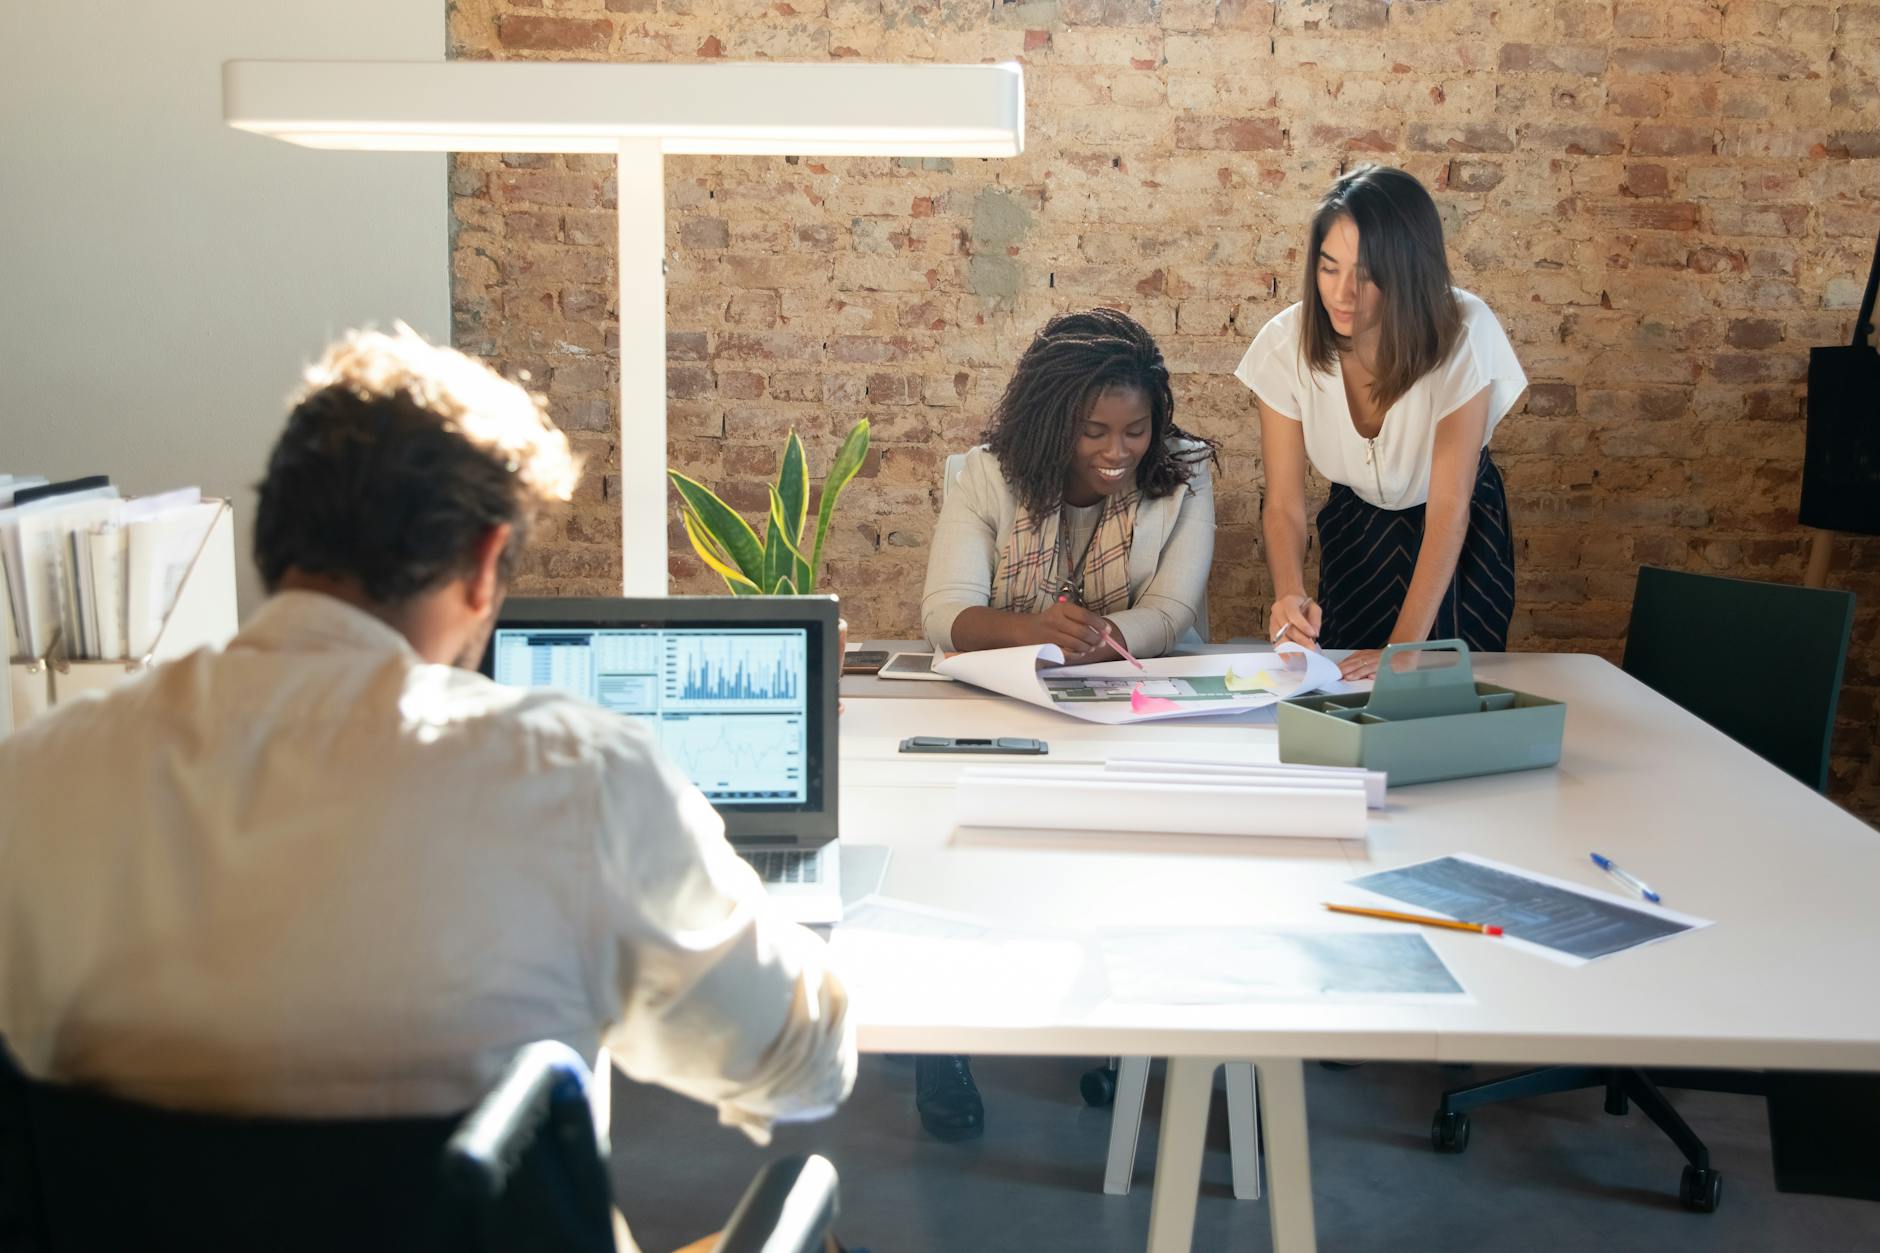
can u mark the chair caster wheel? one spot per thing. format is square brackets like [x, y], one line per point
[1098, 1087]
[1701, 1190]
[1449, 1133]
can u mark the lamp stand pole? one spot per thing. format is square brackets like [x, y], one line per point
[642, 308]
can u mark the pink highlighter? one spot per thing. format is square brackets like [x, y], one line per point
[1117, 644]
[1113, 642]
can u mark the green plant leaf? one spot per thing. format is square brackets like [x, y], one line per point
[793, 488]
[701, 539]
[733, 534]
[776, 560]
[704, 546]
[848, 460]
[780, 529]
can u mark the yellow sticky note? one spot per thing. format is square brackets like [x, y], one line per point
[1261, 681]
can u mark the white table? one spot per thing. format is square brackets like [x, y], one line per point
[1784, 980]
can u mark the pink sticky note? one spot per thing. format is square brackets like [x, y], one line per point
[1138, 703]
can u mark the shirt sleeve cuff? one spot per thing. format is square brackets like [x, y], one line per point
[937, 625]
[1145, 631]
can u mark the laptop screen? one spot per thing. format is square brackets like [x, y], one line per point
[729, 705]
[739, 692]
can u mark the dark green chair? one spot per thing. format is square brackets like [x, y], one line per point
[1686, 630]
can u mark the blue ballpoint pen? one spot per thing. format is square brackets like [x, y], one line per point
[1636, 884]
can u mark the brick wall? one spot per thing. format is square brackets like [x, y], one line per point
[1665, 201]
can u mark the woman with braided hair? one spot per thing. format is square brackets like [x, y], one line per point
[1087, 508]
[1086, 514]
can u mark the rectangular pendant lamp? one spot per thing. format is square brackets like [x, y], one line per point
[640, 113]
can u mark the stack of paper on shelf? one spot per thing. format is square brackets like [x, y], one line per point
[1097, 798]
[34, 529]
[161, 537]
[91, 573]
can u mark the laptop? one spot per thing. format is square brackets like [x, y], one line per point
[740, 692]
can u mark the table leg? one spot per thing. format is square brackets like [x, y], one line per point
[1243, 1131]
[1132, 1081]
[1185, 1095]
[1282, 1095]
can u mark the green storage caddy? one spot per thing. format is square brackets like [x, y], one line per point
[1423, 724]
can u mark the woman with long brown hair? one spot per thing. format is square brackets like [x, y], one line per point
[1388, 381]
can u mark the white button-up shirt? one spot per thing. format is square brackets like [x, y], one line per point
[1391, 470]
[311, 874]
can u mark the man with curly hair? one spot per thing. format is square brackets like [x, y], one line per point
[328, 870]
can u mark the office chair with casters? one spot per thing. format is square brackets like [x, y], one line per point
[525, 1169]
[1685, 634]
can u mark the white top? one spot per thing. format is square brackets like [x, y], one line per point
[1170, 555]
[1393, 470]
[310, 874]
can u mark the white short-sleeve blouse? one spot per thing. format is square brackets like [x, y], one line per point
[1393, 470]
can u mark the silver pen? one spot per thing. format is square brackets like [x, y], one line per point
[1280, 634]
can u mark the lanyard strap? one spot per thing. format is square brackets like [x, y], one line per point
[1072, 584]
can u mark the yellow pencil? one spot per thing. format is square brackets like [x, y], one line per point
[1425, 919]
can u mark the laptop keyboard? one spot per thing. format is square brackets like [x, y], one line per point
[783, 866]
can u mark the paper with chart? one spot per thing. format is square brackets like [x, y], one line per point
[1233, 965]
[903, 960]
[1116, 692]
[1553, 917]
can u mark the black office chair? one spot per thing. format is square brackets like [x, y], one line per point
[525, 1169]
[1686, 631]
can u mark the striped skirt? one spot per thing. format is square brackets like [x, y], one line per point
[1367, 555]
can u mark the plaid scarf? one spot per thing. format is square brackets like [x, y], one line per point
[1034, 562]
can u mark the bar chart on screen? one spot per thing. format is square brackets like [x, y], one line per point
[746, 671]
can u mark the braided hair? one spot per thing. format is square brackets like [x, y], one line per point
[1070, 363]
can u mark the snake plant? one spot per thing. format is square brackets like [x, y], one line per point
[775, 563]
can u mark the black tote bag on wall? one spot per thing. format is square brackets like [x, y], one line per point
[1841, 470]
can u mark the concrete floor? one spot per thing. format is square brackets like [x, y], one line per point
[1555, 1173]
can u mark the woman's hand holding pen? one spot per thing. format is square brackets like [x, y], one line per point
[1296, 618]
[1072, 628]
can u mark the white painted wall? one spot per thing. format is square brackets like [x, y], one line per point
[163, 279]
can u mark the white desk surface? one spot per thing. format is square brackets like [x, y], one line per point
[1786, 977]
